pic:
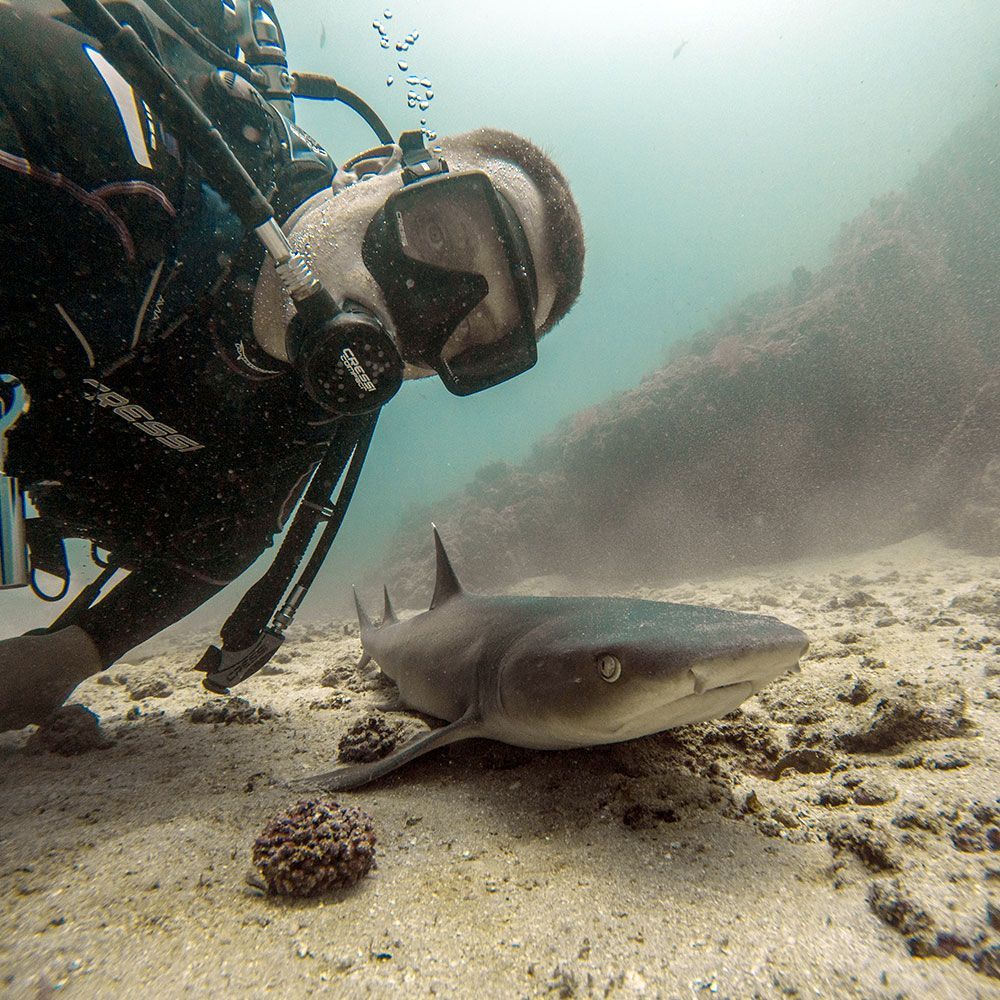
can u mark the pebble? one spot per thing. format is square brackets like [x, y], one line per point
[873, 793]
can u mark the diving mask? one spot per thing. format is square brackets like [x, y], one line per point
[456, 271]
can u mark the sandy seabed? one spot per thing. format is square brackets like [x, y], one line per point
[838, 837]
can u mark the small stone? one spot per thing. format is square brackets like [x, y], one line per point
[785, 818]
[889, 903]
[864, 840]
[900, 719]
[805, 761]
[873, 793]
[156, 687]
[235, 709]
[858, 694]
[833, 795]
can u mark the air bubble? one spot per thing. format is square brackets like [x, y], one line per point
[403, 65]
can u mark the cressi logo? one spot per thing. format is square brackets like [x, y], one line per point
[352, 364]
[138, 417]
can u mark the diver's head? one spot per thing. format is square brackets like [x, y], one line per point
[465, 262]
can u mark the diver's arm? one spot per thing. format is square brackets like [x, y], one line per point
[39, 672]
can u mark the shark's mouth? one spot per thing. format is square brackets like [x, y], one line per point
[713, 691]
[709, 704]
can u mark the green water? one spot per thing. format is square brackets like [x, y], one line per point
[701, 177]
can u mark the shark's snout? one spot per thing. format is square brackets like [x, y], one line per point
[755, 654]
[735, 658]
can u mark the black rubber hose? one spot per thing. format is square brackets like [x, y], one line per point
[315, 87]
[260, 602]
[126, 51]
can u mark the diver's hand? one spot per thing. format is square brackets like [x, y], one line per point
[38, 673]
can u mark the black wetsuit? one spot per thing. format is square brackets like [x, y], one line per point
[126, 287]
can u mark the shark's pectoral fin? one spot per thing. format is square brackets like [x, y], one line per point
[360, 774]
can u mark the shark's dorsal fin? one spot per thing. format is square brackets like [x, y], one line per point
[363, 620]
[388, 616]
[446, 582]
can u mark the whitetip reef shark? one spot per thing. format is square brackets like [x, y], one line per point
[562, 672]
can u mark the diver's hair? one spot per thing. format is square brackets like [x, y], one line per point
[562, 218]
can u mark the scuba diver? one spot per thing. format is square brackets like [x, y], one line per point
[201, 317]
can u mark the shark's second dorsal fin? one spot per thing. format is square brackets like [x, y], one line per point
[446, 583]
[388, 616]
[363, 620]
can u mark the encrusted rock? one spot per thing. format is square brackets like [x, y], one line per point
[70, 730]
[232, 710]
[315, 847]
[369, 739]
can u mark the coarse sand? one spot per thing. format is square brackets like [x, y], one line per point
[837, 837]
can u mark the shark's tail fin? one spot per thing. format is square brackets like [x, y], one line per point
[388, 616]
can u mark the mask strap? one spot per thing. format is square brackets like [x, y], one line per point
[419, 162]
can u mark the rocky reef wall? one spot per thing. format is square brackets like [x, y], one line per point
[844, 408]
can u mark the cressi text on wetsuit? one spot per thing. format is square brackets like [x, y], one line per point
[126, 286]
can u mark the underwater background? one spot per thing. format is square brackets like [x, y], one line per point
[714, 149]
[779, 394]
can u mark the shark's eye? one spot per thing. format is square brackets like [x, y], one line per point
[609, 667]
